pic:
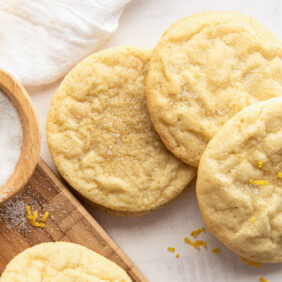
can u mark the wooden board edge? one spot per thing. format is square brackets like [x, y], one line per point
[42, 165]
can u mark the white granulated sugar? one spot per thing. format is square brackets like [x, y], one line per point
[11, 135]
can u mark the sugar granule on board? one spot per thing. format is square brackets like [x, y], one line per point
[11, 135]
[13, 218]
[12, 213]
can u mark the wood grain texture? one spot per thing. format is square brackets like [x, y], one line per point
[68, 221]
[31, 135]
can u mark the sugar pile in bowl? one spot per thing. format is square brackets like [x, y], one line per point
[11, 135]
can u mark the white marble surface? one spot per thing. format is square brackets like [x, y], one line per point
[145, 239]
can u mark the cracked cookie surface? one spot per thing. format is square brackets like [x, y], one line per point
[101, 137]
[239, 185]
[61, 261]
[206, 68]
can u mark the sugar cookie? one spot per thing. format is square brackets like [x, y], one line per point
[205, 69]
[61, 261]
[101, 137]
[238, 187]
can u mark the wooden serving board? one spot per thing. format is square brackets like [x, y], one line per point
[68, 221]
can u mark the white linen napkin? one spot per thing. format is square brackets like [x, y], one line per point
[40, 40]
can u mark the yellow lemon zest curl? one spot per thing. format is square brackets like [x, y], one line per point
[251, 263]
[260, 163]
[171, 249]
[258, 182]
[33, 218]
[196, 244]
[216, 250]
[196, 232]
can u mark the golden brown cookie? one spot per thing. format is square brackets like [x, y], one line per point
[205, 69]
[101, 137]
[239, 185]
[62, 261]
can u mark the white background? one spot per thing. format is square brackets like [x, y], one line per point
[145, 239]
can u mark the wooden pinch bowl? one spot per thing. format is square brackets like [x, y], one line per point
[30, 147]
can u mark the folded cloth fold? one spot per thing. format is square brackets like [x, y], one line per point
[42, 39]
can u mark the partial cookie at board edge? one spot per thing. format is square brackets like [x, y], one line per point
[61, 261]
[101, 138]
[239, 184]
[206, 68]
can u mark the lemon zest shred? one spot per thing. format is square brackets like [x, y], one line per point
[35, 215]
[171, 249]
[188, 241]
[28, 210]
[38, 224]
[254, 219]
[279, 174]
[196, 232]
[201, 243]
[258, 182]
[251, 263]
[196, 244]
[33, 218]
[216, 250]
[260, 163]
[177, 256]
[44, 217]
[262, 279]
